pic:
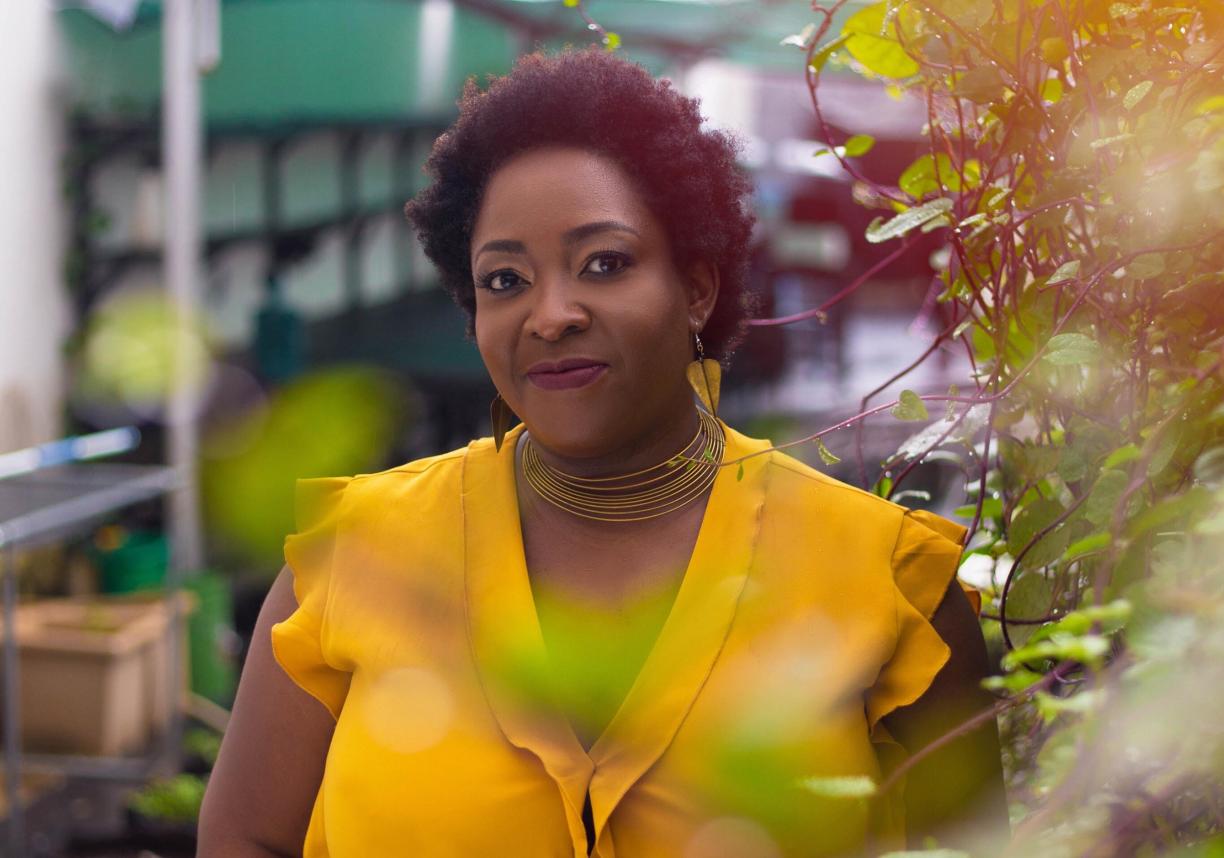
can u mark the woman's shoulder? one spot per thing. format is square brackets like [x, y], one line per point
[807, 491]
[439, 467]
[796, 479]
[438, 475]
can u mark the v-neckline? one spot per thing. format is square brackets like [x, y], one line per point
[637, 630]
[505, 633]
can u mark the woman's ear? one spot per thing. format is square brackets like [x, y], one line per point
[701, 281]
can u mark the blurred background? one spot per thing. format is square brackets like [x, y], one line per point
[209, 290]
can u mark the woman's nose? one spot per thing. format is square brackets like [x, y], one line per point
[555, 310]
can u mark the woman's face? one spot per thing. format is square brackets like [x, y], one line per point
[582, 318]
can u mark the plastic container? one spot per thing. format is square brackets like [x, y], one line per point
[94, 674]
[137, 563]
[214, 672]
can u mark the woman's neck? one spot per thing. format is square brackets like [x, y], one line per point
[663, 438]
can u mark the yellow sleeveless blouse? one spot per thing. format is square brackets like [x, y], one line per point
[802, 619]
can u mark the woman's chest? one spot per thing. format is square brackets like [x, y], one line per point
[607, 564]
[450, 718]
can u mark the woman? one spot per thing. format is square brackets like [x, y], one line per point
[621, 628]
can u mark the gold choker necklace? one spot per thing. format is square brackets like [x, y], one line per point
[648, 493]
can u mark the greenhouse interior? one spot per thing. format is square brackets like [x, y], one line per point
[984, 239]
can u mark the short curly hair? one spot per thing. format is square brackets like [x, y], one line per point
[591, 99]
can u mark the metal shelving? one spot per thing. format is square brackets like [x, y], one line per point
[50, 504]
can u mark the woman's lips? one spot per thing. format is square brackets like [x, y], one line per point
[579, 376]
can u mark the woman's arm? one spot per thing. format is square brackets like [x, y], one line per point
[263, 786]
[956, 794]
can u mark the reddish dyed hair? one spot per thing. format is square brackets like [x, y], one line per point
[594, 100]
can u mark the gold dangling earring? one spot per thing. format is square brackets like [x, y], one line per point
[500, 418]
[705, 376]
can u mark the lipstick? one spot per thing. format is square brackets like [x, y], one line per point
[567, 374]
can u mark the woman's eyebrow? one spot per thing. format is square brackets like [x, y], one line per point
[505, 245]
[571, 236]
[578, 233]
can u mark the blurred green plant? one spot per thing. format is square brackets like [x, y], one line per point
[205, 744]
[337, 421]
[175, 799]
[1074, 165]
[127, 356]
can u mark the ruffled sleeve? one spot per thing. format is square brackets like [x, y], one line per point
[298, 642]
[924, 563]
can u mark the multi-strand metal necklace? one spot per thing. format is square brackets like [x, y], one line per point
[648, 493]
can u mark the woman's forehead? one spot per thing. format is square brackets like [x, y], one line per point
[552, 191]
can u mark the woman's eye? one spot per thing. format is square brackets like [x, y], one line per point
[501, 281]
[606, 263]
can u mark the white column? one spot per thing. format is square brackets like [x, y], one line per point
[435, 35]
[181, 163]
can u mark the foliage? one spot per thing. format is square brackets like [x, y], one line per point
[175, 799]
[1075, 168]
[202, 743]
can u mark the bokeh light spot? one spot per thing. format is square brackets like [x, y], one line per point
[732, 837]
[408, 709]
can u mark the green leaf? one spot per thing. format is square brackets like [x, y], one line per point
[1186, 509]
[925, 175]
[1072, 465]
[1135, 94]
[1211, 104]
[909, 219]
[1086, 649]
[1071, 349]
[1087, 545]
[859, 144]
[922, 442]
[739, 474]
[1121, 456]
[611, 41]
[940, 222]
[910, 407]
[822, 56]
[1066, 271]
[992, 508]
[825, 455]
[1054, 50]
[1028, 598]
[1031, 519]
[1165, 448]
[1014, 682]
[1028, 461]
[1109, 618]
[982, 84]
[848, 786]
[868, 43]
[1079, 703]
[1106, 492]
[573, 4]
[1146, 266]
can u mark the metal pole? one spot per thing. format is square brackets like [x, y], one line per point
[181, 158]
[12, 706]
[173, 739]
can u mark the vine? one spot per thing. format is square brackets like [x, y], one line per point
[1074, 166]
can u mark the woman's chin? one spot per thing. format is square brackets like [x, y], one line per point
[575, 437]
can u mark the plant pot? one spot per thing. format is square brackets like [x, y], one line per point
[94, 673]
